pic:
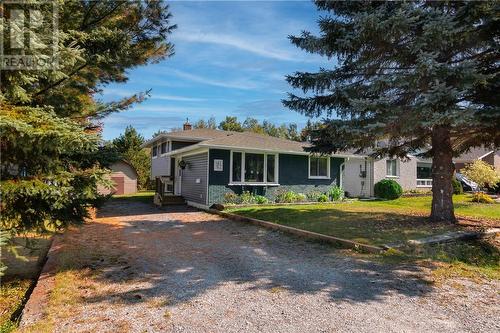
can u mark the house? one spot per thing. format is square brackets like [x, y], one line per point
[361, 172]
[202, 165]
[124, 176]
[487, 155]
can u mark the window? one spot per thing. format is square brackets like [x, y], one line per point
[253, 168]
[236, 167]
[424, 170]
[164, 146]
[271, 169]
[155, 151]
[392, 168]
[319, 167]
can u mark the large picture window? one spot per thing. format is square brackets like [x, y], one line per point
[319, 167]
[237, 163]
[424, 170]
[253, 168]
[391, 168]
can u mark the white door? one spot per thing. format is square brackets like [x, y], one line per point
[177, 178]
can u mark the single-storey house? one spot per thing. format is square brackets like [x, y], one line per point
[202, 165]
[124, 177]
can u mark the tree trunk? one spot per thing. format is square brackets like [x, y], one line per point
[442, 173]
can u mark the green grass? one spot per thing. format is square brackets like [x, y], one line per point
[141, 196]
[464, 207]
[21, 273]
[370, 222]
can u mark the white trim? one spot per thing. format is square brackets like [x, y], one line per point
[328, 176]
[243, 182]
[253, 184]
[397, 168]
[208, 175]
[259, 150]
[341, 177]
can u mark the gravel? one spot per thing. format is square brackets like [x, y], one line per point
[182, 270]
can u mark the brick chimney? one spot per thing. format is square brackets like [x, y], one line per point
[187, 126]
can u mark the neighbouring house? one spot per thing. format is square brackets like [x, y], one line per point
[360, 173]
[489, 156]
[124, 176]
[202, 165]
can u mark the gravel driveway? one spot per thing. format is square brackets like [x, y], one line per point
[182, 270]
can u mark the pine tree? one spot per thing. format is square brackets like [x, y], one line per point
[231, 124]
[422, 76]
[49, 130]
[128, 147]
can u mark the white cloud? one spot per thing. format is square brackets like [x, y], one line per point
[235, 84]
[245, 44]
[154, 96]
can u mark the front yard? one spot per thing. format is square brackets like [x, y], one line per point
[370, 222]
[383, 222]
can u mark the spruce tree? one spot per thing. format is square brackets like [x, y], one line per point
[422, 76]
[49, 117]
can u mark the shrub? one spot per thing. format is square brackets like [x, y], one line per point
[313, 196]
[323, 198]
[481, 173]
[335, 193]
[261, 200]
[290, 197]
[457, 186]
[388, 189]
[247, 198]
[482, 197]
[231, 198]
[300, 197]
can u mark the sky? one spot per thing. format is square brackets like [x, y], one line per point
[231, 58]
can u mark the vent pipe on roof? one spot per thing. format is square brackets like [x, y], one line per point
[187, 126]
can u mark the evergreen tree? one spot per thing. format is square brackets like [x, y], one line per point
[128, 147]
[48, 117]
[231, 124]
[423, 76]
[210, 123]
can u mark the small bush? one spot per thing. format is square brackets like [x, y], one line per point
[247, 198]
[388, 189]
[300, 197]
[482, 197]
[457, 186]
[231, 198]
[335, 193]
[323, 198]
[313, 196]
[261, 200]
[290, 197]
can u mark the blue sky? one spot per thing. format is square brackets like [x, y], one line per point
[230, 59]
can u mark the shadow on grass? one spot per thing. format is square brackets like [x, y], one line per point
[364, 226]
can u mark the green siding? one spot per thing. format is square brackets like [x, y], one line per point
[293, 175]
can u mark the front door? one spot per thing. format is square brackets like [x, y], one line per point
[177, 177]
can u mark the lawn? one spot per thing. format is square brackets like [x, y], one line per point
[370, 222]
[383, 222]
[21, 274]
[141, 196]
